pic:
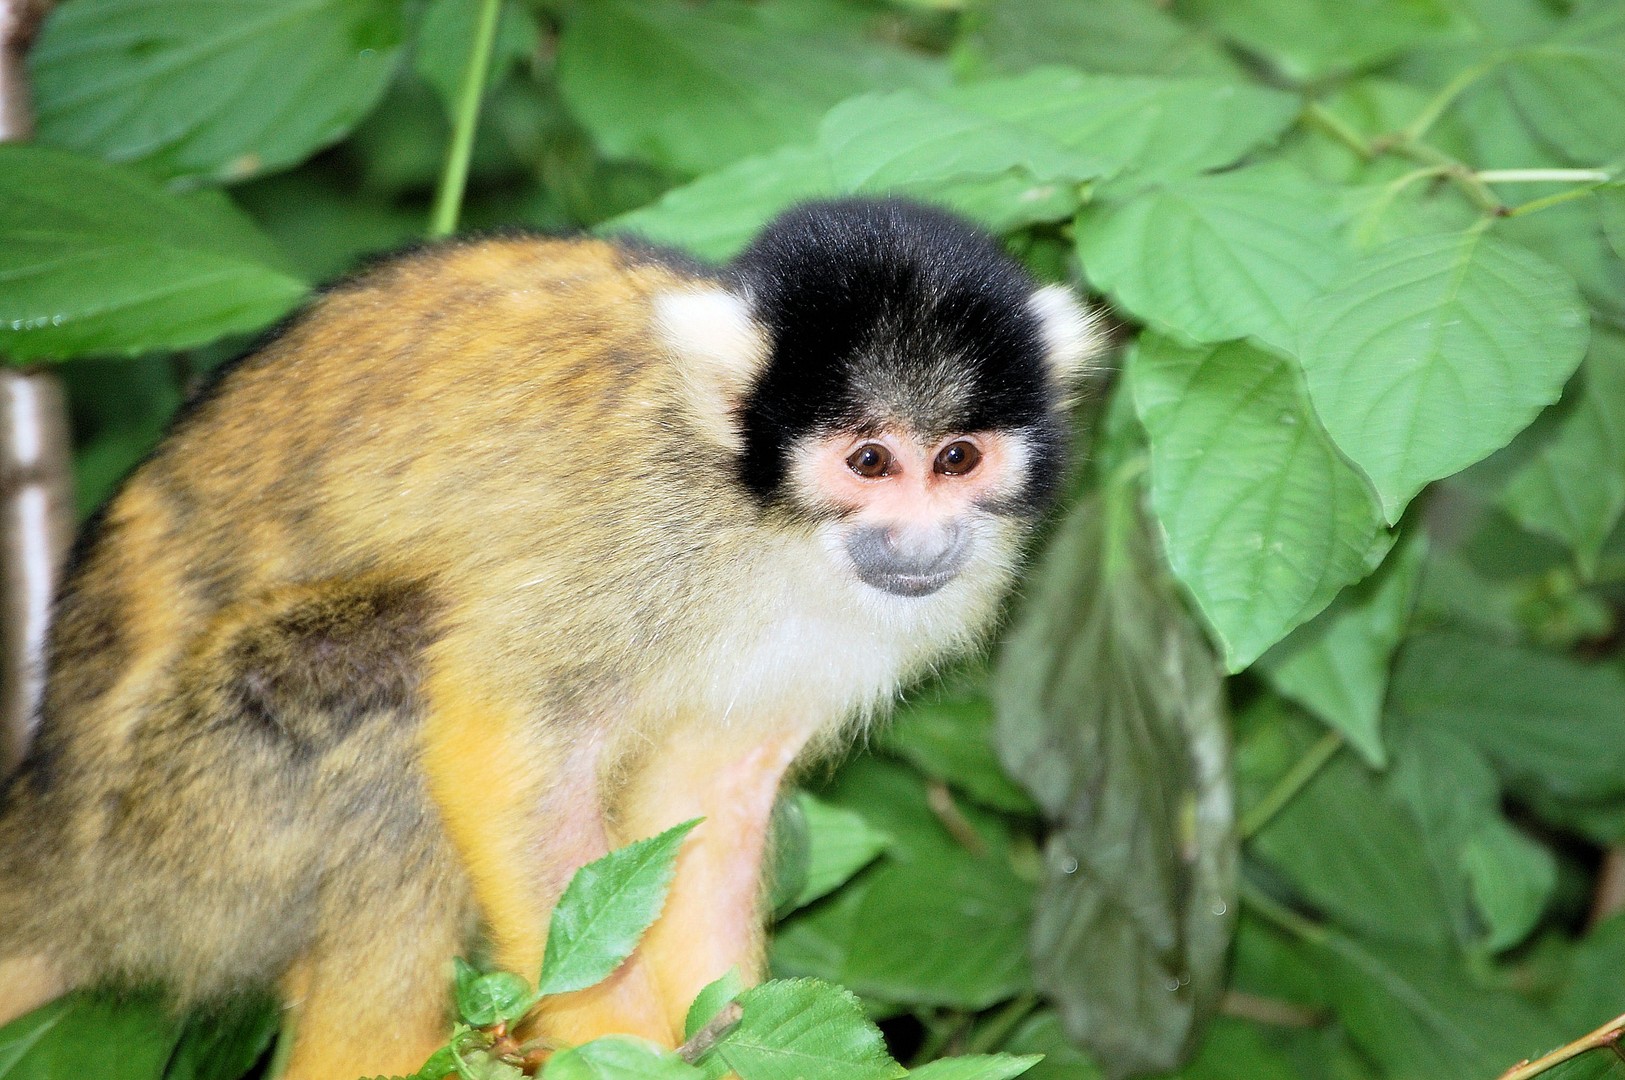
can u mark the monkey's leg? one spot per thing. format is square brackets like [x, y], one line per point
[523, 816]
[712, 921]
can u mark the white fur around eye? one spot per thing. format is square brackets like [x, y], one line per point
[718, 346]
[1072, 334]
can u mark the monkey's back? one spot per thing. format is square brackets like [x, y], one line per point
[237, 653]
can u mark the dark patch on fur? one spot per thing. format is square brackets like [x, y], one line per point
[851, 288]
[314, 671]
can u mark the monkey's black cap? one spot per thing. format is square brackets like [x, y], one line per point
[885, 311]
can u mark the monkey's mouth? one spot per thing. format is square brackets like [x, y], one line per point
[914, 584]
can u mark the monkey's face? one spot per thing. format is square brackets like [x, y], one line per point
[908, 515]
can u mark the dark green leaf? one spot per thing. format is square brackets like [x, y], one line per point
[222, 1043]
[95, 260]
[1336, 665]
[696, 89]
[1573, 486]
[946, 731]
[90, 1035]
[210, 89]
[1541, 717]
[801, 1029]
[1306, 39]
[1110, 712]
[484, 999]
[1265, 520]
[1431, 352]
[605, 910]
[840, 844]
[1126, 37]
[1210, 258]
[1041, 1034]
[618, 1057]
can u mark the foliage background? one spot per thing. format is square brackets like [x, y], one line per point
[1351, 506]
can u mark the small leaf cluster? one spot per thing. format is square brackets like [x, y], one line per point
[1301, 754]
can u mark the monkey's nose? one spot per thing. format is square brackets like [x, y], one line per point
[908, 561]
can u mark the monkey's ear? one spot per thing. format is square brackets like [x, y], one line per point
[1072, 333]
[719, 348]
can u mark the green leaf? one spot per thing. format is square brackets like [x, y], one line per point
[484, 999]
[910, 142]
[1589, 995]
[1573, 486]
[1417, 1015]
[716, 215]
[95, 260]
[1152, 129]
[1265, 521]
[1347, 844]
[1041, 1034]
[1306, 39]
[605, 910]
[1127, 37]
[1210, 258]
[224, 1042]
[1431, 352]
[210, 89]
[1570, 88]
[1111, 713]
[695, 89]
[710, 1001]
[1336, 665]
[842, 843]
[445, 38]
[1543, 718]
[801, 1029]
[1611, 208]
[977, 1067]
[618, 1057]
[1512, 880]
[84, 1035]
[946, 731]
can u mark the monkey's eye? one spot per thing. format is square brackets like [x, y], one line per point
[957, 458]
[870, 461]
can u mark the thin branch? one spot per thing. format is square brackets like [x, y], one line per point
[1607, 1036]
[1424, 120]
[1303, 771]
[1544, 176]
[1329, 122]
[712, 1033]
[992, 1033]
[1245, 1006]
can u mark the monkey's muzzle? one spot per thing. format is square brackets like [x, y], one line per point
[908, 562]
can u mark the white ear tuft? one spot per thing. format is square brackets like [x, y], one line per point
[1072, 333]
[718, 347]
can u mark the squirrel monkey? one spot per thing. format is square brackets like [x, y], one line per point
[503, 554]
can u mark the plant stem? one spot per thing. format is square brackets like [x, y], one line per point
[1434, 109]
[448, 199]
[1540, 176]
[1535, 205]
[1463, 176]
[1327, 121]
[1289, 785]
[1281, 915]
[1606, 1036]
[988, 1037]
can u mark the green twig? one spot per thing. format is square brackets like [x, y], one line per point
[1537, 205]
[448, 199]
[1459, 172]
[990, 1036]
[1328, 121]
[1290, 784]
[1606, 1036]
[1278, 913]
[1435, 108]
[1541, 176]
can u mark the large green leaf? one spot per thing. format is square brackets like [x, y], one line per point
[946, 731]
[801, 1029]
[1543, 718]
[1111, 714]
[1306, 39]
[976, 1067]
[1210, 258]
[1265, 521]
[908, 141]
[1570, 88]
[1432, 351]
[211, 89]
[97, 260]
[618, 1057]
[694, 89]
[605, 909]
[1125, 37]
[1336, 665]
[1149, 129]
[840, 844]
[1573, 486]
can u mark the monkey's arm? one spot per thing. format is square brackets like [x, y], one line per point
[523, 815]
